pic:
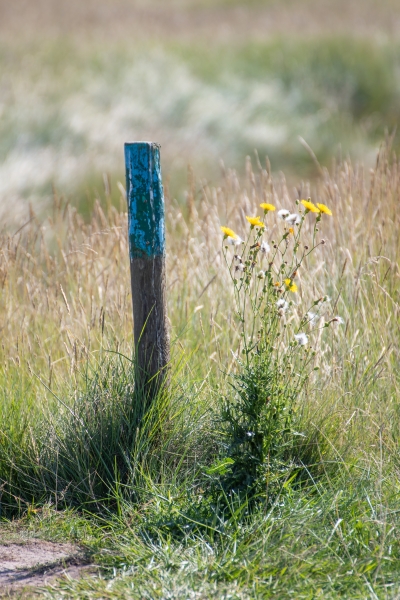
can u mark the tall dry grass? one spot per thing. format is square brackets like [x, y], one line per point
[65, 300]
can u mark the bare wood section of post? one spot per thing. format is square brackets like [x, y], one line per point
[147, 259]
[150, 317]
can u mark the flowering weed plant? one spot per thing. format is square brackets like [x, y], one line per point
[275, 357]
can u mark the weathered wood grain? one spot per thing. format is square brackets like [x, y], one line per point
[146, 224]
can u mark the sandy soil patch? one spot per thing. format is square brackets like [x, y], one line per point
[34, 563]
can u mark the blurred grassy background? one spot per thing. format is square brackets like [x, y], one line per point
[208, 80]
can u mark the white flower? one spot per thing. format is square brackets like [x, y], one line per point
[312, 317]
[261, 275]
[301, 339]
[265, 247]
[282, 304]
[234, 241]
[293, 219]
[338, 320]
[237, 257]
[283, 213]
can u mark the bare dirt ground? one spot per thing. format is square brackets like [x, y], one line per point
[215, 20]
[27, 566]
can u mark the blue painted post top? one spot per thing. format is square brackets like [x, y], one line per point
[145, 196]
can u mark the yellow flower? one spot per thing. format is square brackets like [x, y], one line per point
[309, 206]
[292, 287]
[291, 230]
[324, 209]
[228, 232]
[267, 206]
[255, 221]
[277, 284]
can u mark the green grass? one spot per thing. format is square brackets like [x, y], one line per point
[72, 106]
[334, 538]
[332, 91]
[81, 461]
[81, 458]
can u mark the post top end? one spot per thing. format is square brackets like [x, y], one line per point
[142, 144]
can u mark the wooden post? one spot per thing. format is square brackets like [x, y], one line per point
[146, 222]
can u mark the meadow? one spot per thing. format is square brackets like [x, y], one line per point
[176, 499]
[327, 525]
[209, 82]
